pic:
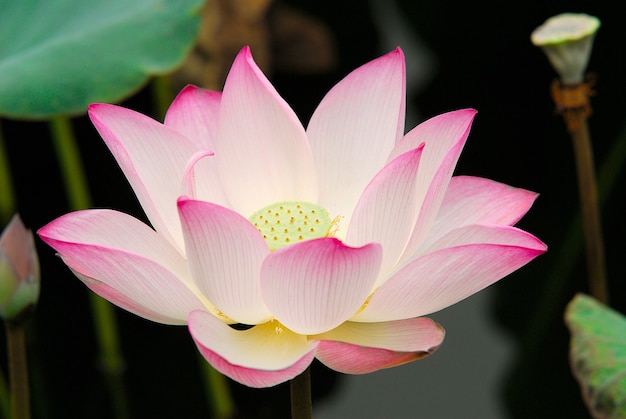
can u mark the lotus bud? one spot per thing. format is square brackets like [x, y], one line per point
[19, 271]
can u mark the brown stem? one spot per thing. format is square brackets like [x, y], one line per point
[301, 404]
[590, 211]
[18, 369]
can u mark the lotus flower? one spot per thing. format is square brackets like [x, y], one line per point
[277, 245]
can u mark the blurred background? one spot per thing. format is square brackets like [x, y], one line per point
[506, 349]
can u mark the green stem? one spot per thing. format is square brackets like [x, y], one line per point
[587, 187]
[301, 403]
[220, 403]
[564, 261]
[5, 400]
[70, 162]
[110, 357]
[18, 369]
[162, 95]
[7, 197]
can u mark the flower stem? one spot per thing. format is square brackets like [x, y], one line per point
[592, 228]
[220, 403]
[161, 95]
[111, 360]
[18, 369]
[563, 265]
[69, 160]
[7, 199]
[301, 404]
[5, 399]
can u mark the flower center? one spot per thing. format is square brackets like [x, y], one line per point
[289, 222]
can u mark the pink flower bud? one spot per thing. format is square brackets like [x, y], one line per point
[19, 270]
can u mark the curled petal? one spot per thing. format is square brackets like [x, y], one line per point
[194, 113]
[262, 149]
[263, 356]
[225, 253]
[201, 179]
[153, 158]
[439, 279]
[355, 127]
[316, 285]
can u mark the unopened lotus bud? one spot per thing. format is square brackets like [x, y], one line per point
[19, 271]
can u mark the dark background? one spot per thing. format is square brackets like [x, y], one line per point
[483, 59]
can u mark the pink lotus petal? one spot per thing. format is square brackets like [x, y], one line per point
[152, 157]
[316, 285]
[439, 279]
[263, 356]
[225, 253]
[115, 230]
[151, 282]
[444, 138]
[387, 210]
[473, 200]
[194, 113]
[264, 155]
[354, 359]
[355, 127]
[478, 200]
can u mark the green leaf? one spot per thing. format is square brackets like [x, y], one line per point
[57, 57]
[598, 355]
